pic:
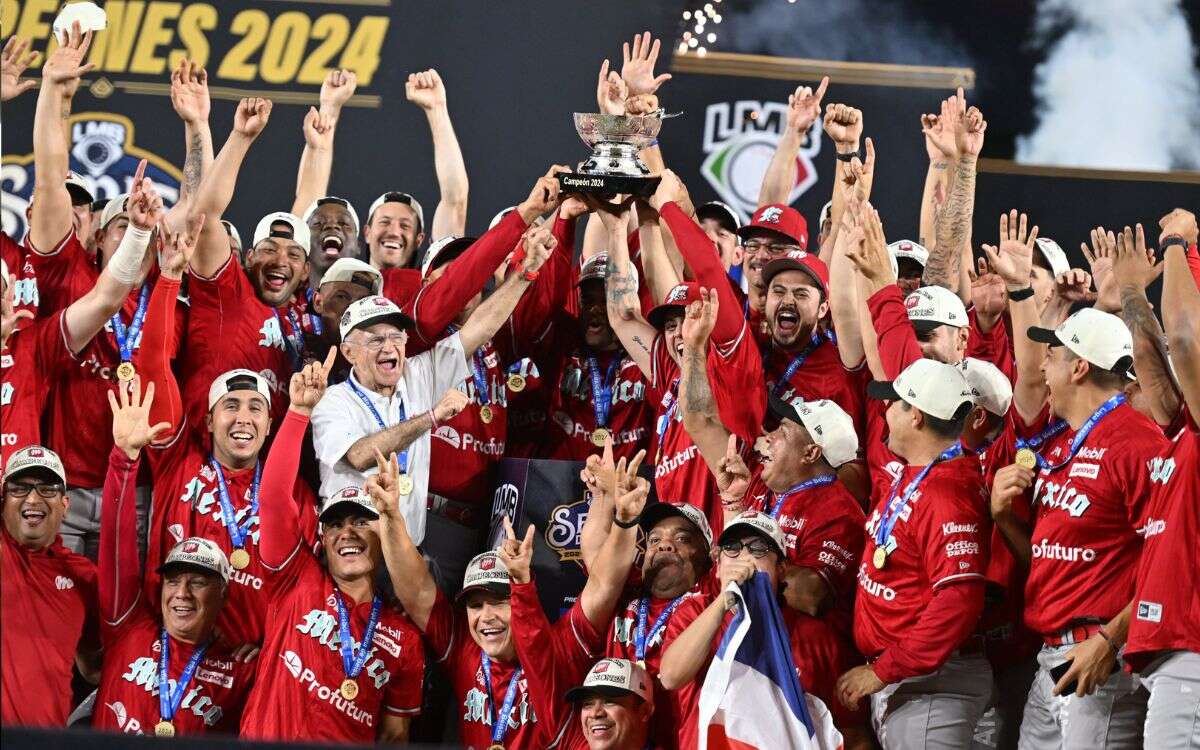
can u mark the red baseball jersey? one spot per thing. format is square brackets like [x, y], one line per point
[47, 599]
[941, 538]
[467, 442]
[1087, 518]
[1166, 605]
[297, 698]
[230, 327]
[25, 293]
[34, 359]
[671, 707]
[821, 376]
[555, 659]
[568, 437]
[187, 503]
[883, 465]
[128, 699]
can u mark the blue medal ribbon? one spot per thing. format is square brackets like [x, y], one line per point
[797, 362]
[602, 391]
[293, 352]
[313, 317]
[1076, 442]
[352, 662]
[671, 399]
[500, 720]
[237, 532]
[896, 504]
[402, 456]
[169, 700]
[807, 484]
[130, 338]
[641, 639]
[479, 375]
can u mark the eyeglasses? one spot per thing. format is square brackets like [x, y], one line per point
[47, 489]
[375, 343]
[770, 248]
[758, 548]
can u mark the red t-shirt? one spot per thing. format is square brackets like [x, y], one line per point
[671, 707]
[25, 293]
[230, 327]
[555, 659]
[821, 376]
[128, 698]
[1086, 520]
[47, 597]
[1166, 607]
[883, 465]
[941, 538]
[34, 359]
[187, 503]
[300, 669]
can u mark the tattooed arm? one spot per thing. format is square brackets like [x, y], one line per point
[621, 288]
[953, 232]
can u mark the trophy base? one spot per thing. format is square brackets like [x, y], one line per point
[607, 184]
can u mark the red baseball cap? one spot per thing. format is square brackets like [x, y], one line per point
[677, 299]
[780, 219]
[799, 260]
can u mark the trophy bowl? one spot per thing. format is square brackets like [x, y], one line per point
[614, 166]
[636, 130]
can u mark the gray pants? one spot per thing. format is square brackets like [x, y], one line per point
[1173, 716]
[936, 711]
[449, 546]
[81, 524]
[1001, 723]
[1111, 717]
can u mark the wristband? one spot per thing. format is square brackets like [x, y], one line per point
[530, 275]
[848, 156]
[1108, 639]
[125, 265]
[1020, 294]
[1173, 240]
[627, 524]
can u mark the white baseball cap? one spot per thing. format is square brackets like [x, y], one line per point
[827, 423]
[312, 209]
[34, 457]
[346, 269]
[299, 229]
[486, 571]
[931, 306]
[1100, 338]
[935, 388]
[654, 514]
[718, 210]
[233, 232]
[371, 310]
[443, 251]
[1054, 255]
[761, 523]
[114, 208]
[198, 552]
[613, 678]
[79, 190]
[352, 496]
[505, 212]
[991, 388]
[825, 211]
[238, 380]
[394, 196]
[909, 249]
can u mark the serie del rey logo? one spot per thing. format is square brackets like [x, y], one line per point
[740, 139]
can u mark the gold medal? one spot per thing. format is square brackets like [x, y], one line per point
[239, 558]
[349, 689]
[486, 414]
[879, 559]
[164, 728]
[1026, 458]
[599, 435]
[516, 383]
[405, 485]
[125, 372]
[641, 663]
[497, 746]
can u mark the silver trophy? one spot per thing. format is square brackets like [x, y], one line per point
[614, 166]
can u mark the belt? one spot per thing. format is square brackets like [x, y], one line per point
[1072, 635]
[452, 510]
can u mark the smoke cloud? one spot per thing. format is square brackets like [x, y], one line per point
[1118, 89]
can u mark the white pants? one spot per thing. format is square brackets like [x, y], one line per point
[937, 711]
[1173, 716]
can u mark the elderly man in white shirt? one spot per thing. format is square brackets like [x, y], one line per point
[391, 403]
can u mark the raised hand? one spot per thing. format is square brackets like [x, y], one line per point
[251, 116]
[699, 319]
[451, 405]
[804, 106]
[189, 92]
[336, 90]
[384, 487]
[1013, 259]
[544, 196]
[539, 245]
[988, 292]
[670, 189]
[65, 65]
[318, 129]
[425, 89]
[637, 68]
[144, 205]
[308, 386]
[599, 473]
[611, 91]
[1133, 263]
[629, 490]
[1100, 261]
[1179, 222]
[642, 104]
[10, 317]
[1074, 286]
[870, 256]
[968, 125]
[939, 137]
[859, 176]
[13, 61]
[131, 417]
[844, 126]
[733, 477]
[516, 555]
[178, 247]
